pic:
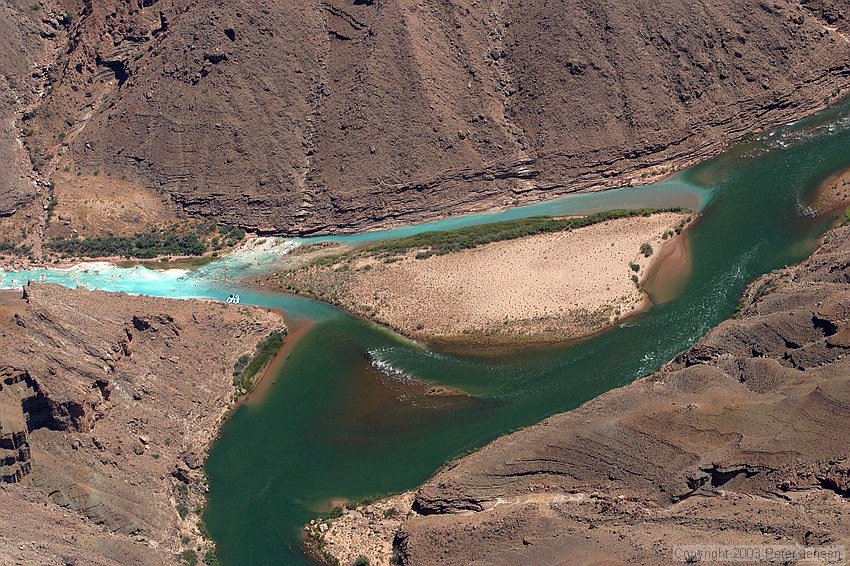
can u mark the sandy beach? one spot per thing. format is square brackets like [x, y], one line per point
[833, 193]
[551, 286]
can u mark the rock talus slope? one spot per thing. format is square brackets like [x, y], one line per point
[302, 117]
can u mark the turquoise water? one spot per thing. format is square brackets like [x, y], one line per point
[672, 192]
[339, 420]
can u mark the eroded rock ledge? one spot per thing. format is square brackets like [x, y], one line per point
[108, 403]
[741, 439]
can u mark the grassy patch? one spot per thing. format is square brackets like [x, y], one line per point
[443, 242]
[247, 367]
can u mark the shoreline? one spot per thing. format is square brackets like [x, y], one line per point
[296, 329]
[665, 278]
[426, 288]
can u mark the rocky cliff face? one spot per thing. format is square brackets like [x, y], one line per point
[300, 117]
[741, 439]
[107, 406]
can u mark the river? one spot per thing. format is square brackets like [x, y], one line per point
[339, 420]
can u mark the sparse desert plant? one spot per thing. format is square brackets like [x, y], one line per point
[646, 249]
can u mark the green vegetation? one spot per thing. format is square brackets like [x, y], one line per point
[181, 494]
[443, 242]
[231, 234]
[319, 543]
[846, 217]
[764, 288]
[51, 207]
[361, 561]
[391, 512]
[202, 527]
[240, 365]
[190, 557]
[6, 246]
[247, 367]
[634, 267]
[646, 249]
[141, 245]
[194, 240]
[210, 558]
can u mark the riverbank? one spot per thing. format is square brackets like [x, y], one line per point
[544, 287]
[699, 451]
[296, 329]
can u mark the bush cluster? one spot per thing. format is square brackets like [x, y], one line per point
[248, 367]
[144, 245]
[150, 244]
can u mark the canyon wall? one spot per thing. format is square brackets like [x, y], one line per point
[341, 115]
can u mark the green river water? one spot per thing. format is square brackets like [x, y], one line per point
[337, 421]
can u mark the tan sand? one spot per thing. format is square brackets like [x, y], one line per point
[296, 329]
[549, 286]
[666, 277]
[833, 193]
